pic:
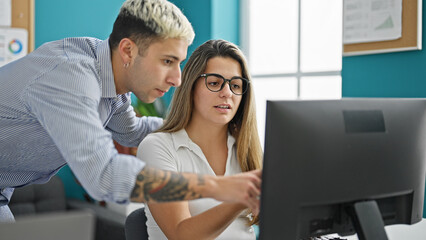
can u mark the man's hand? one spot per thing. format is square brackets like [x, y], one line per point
[154, 185]
[242, 188]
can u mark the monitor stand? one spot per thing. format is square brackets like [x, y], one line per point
[368, 221]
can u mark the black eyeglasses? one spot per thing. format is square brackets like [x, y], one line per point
[215, 82]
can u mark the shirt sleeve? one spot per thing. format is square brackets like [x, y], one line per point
[66, 106]
[128, 129]
[157, 150]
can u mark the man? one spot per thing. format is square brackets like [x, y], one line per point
[66, 101]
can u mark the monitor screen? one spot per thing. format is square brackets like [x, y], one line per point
[342, 166]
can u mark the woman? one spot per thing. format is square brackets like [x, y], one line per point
[211, 129]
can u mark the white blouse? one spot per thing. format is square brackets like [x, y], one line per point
[176, 152]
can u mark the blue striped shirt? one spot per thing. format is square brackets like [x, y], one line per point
[58, 105]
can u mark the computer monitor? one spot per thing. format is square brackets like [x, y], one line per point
[342, 166]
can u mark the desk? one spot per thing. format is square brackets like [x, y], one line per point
[402, 232]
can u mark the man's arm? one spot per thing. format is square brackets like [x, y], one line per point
[129, 130]
[154, 185]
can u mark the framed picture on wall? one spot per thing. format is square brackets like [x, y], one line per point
[404, 16]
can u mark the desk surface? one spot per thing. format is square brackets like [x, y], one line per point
[402, 232]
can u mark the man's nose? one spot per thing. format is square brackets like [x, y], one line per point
[175, 78]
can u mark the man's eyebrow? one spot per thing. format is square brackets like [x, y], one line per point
[172, 56]
[175, 58]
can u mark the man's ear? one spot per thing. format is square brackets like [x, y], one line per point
[127, 49]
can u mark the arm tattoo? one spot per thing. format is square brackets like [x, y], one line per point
[162, 186]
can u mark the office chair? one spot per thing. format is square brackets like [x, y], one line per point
[135, 226]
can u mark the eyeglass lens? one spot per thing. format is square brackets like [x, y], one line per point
[215, 84]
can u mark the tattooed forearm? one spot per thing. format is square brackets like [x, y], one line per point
[162, 186]
[200, 180]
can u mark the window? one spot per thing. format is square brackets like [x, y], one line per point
[293, 49]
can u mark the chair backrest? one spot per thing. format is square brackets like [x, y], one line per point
[39, 198]
[135, 226]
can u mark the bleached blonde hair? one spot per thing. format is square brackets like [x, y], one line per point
[146, 21]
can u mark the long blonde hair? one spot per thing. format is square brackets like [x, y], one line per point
[243, 127]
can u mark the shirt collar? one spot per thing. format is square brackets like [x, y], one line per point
[105, 69]
[181, 139]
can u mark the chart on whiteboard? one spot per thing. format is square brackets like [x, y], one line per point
[371, 20]
[13, 44]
